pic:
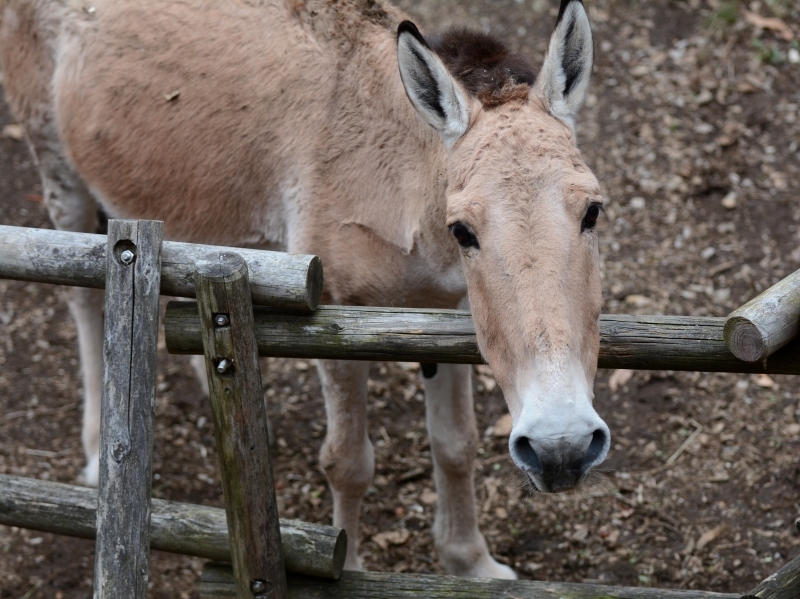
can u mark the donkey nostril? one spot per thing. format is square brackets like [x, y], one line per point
[527, 455]
[596, 448]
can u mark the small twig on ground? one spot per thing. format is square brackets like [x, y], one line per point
[495, 459]
[43, 453]
[664, 520]
[36, 586]
[682, 448]
[39, 412]
[674, 457]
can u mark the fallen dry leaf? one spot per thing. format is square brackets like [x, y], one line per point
[14, 131]
[488, 382]
[729, 201]
[792, 429]
[710, 535]
[581, 532]
[720, 477]
[391, 537]
[689, 547]
[765, 381]
[619, 378]
[428, 497]
[771, 23]
[638, 301]
[502, 427]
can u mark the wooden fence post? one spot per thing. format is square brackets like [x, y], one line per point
[133, 277]
[240, 426]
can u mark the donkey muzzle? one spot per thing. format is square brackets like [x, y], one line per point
[560, 460]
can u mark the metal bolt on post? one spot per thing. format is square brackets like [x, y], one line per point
[258, 586]
[126, 257]
[223, 365]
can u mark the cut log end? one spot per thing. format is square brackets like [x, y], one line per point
[224, 267]
[745, 340]
[339, 554]
[314, 281]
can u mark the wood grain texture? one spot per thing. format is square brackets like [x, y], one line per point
[202, 531]
[128, 404]
[784, 584]
[359, 333]
[767, 322]
[217, 583]
[240, 427]
[292, 281]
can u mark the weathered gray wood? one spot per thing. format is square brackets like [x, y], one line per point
[126, 424]
[291, 281]
[784, 584]
[313, 549]
[356, 333]
[680, 343]
[767, 322]
[240, 427]
[217, 583]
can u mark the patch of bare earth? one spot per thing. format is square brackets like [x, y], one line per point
[692, 127]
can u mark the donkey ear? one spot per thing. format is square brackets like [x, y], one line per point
[564, 77]
[434, 93]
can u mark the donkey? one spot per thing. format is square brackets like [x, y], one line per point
[424, 171]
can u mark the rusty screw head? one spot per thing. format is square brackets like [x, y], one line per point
[126, 257]
[222, 320]
[258, 586]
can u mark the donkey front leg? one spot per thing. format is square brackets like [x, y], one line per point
[347, 454]
[454, 437]
[86, 306]
[72, 208]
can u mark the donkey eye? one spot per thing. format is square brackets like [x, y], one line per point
[464, 237]
[590, 218]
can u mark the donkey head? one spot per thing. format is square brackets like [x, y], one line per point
[522, 205]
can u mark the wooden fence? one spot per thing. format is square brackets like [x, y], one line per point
[135, 266]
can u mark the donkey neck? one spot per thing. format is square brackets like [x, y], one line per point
[384, 177]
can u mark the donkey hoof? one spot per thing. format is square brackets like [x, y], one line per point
[493, 569]
[91, 473]
[487, 567]
[354, 563]
[502, 571]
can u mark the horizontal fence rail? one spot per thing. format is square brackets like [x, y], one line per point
[358, 333]
[312, 549]
[217, 583]
[291, 281]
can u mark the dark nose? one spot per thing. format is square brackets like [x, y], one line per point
[560, 465]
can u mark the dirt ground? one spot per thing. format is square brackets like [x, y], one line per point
[692, 127]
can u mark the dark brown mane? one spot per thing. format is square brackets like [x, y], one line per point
[484, 65]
